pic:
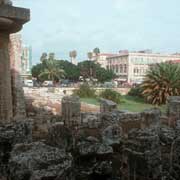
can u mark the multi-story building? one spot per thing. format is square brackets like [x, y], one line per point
[26, 59]
[20, 56]
[131, 67]
[102, 59]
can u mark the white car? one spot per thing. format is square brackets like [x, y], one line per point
[28, 83]
[47, 83]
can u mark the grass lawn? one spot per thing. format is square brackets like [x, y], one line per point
[129, 103]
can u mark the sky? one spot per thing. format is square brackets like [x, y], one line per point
[62, 25]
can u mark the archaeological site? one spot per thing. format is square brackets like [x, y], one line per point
[37, 144]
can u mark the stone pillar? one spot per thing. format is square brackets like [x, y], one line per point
[143, 154]
[151, 118]
[174, 107]
[71, 108]
[11, 21]
[5, 79]
[19, 109]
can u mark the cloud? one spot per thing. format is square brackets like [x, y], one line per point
[63, 25]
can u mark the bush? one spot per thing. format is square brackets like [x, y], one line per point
[85, 91]
[111, 95]
[136, 92]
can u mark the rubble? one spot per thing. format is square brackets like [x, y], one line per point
[11, 134]
[89, 146]
[37, 161]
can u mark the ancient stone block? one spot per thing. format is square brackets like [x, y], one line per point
[71, 110]
[60, 136]
[143, 155]
[107, 106]
[112, 135]
[90, 120]
[150, 118]
[174, 107]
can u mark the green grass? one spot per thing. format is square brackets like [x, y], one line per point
[129, 103]
[90, 101]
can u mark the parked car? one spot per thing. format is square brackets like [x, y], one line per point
[28, 83]
[109, 85]
[47, 83]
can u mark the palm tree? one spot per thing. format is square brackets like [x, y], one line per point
[96, 51]
[162, 81]
[51, 56]
[43, 57]
[73, 55]
[52, 71]
[90, 55]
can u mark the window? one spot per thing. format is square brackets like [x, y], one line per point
[125, 68]
[116, 68]
[121, 68]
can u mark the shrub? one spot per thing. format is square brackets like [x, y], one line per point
[136, 92]
[111, 95]
[85, 91]
[161, 81]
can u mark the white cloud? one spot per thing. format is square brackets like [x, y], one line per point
[62, 25]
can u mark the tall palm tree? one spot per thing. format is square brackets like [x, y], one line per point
[52, 71]
[96, 51]
[73, 55]
[51, 56]
[43, 57]
[90, 55]
[162, 81]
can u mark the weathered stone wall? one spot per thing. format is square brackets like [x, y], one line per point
[109, 146]
[91, 146]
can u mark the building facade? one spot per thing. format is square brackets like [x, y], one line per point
[102, 59]
[131, 67]
[26, 60]
[20, 56]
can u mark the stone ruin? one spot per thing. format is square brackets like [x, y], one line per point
[110, 145]
[11, 21]
[174, 107]
[71, 110]
[92, 146]
[107, 106]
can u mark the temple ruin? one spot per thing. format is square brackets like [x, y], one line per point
[106, 145]
[11, 21]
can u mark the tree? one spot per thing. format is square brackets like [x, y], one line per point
[90, 69]
[104, 75]
[71, 71]
[73, 55]
[162, 81]
[51, 56]
[90, 55]
[87, 69]
[52, 71]
[37, 69]
[96, 51]
[43, 57]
